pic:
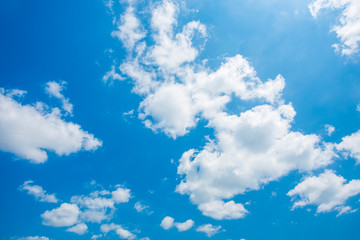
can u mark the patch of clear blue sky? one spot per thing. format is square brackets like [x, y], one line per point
[67, 40]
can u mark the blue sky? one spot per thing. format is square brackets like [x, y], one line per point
[179, 119]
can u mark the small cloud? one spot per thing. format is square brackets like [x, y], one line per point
[38, 192]
[329, 129]
[167, 223]
[80, 229]
[140, 207]
[209, 229]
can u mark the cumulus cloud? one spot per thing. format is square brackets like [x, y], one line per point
[208, 229]
[80, 229]
[249, 149]
[220, 210]
[329, 192]
[119, 230]
[29, 131]
[350, 146]
[38, 192]
[121, 195]
[54, 89]
[95, 207]
[64, 216]
[169, 222]
[185, 225]
[348, 30]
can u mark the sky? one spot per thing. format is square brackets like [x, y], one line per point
[172, 119]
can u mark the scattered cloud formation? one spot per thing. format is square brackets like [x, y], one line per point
[329, 192]
[96, 207]
[38, 192]
[250, 149]
[169, 222]
[54, 89]
[347, 30]
[28, 131]
[80, 229]
[209, 229]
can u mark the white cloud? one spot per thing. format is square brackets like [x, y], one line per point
[129, 30]
[208, 229]
[96, 236]
[167, 223]
[29, 131]
[54, 89]
[92, 202]
[250, 150]
[329, 192]
[112, 75]
[119, 230]
[329, 129]
[64, 216]
[80, 229]
[38, 192]
[33, 238]
[220, 210]
[185, 225]
[348, 30]
[121, 195]
[95, 215]
[140, 207]
[350, 145]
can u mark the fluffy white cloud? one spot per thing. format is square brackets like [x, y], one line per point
[38, 192]
[64, 216]
[348, 30]
[208, 229]
[54, 89]
[33, 238]
[121, 195]
[129, 30]
[28, 131]
[328, 192]
[220, 210]
[80, 229]
[119, 230]
[251, 150]
[167, 223]
[350, 145]
[185, 225]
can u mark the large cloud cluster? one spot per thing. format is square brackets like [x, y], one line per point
[249, 149]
